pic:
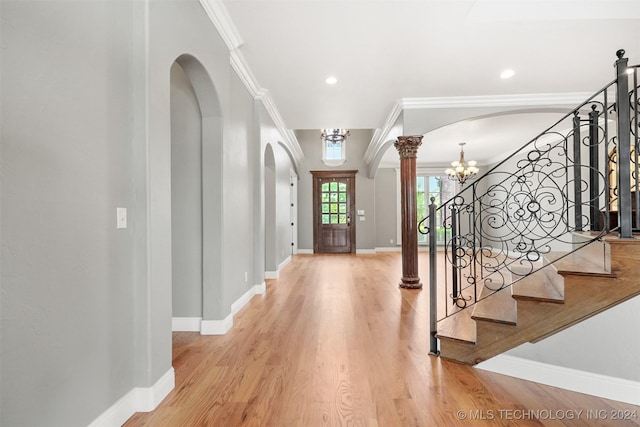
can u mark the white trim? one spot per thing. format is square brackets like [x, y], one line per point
[241, 68]
[186, 324]
[305, 251]
[290, 140]
[243, 300]
[271, 275]
[139, 399]
[220, 18]
[261, 288]
[365, 251]
[216, 327]
[518, 100]
[284, 263]
[380, 135]
[604, 386]
[389, 249]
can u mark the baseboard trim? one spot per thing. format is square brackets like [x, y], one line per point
[389, 249]
[271, 275]
[276, 274]
[221, 327]
[284, 263]
[365, 251]
[186, 324]
[139, 399]
[216, 327]
[305, 251]
[604, 386]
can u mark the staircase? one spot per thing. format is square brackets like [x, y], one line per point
[544, 239]
[560, 294]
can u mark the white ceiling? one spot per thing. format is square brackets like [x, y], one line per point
[383, 51]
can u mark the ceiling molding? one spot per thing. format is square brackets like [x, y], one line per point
[290, 140]
[218, 14]
[243, 71]
[380, 135]
[519, 100]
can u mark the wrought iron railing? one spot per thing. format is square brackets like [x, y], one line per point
[581, 174]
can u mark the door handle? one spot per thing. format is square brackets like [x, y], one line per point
[348, 221]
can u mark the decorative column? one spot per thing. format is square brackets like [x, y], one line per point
[407, 147]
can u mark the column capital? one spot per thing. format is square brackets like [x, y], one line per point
[407, 146]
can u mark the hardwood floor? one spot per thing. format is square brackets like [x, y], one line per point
[336, 342]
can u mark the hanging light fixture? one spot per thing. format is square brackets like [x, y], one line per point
[335, 136]
[462, 170]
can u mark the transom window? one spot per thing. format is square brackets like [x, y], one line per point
[334, 146]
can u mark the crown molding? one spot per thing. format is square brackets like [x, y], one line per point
[380, 135]
[218, 14]
[518, 100]
[243, 71]
[289, 137]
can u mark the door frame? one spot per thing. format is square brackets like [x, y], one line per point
[317, 176]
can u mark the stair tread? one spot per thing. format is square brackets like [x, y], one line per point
[537, 287]
[458, 327]
[575, 264]
[496, 306]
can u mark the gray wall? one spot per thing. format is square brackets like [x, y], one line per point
[86, 127]
[386, 208]
[67, 272]
[600, 345]
[311, 145]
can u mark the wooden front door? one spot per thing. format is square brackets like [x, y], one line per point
[334, 204]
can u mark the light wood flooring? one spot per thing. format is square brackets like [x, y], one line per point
[336, 342]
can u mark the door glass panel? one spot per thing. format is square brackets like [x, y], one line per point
[342, 197]
[325, 197]
[342, 187]
[325, 208]
[343, 219]
[334, 197]
[342, 208]
[334, 219]
[334, 208]
[334, 186]
[325, 219]
[325, 186]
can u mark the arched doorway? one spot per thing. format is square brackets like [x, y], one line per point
[270, 250]
[196, 187]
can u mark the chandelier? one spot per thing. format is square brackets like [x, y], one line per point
[461, 169]
[335, 136]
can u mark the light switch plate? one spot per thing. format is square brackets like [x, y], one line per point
[121, 217]
[360, 212]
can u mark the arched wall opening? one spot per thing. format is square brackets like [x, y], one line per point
[270, 250]
[186, 197]
[196, 186]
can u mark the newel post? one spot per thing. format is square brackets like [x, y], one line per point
[407, 147]
[624, 146]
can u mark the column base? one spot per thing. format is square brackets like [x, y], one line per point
[410, 283]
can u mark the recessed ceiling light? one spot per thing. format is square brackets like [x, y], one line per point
[507, 74]
[331, 80]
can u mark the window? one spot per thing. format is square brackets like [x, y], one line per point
[429, 183]
[334, 202]
[334, 146]
[442, 189]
